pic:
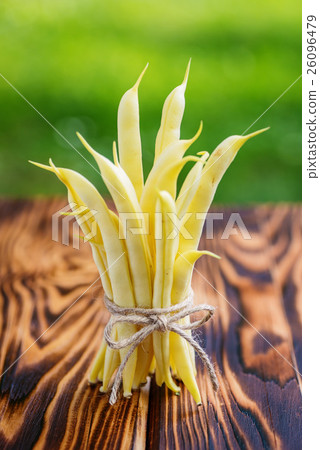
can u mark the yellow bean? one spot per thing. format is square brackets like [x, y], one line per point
[111, 361]
[172, 115]
[212, 173]
[125, 199]
[173, 153]
[180, 354]
[190, 185]
[165, 254]
[182, 273]
[164, 175]
[84, 192]
[167, 180]
[170, 236]
[139, 257]
[98, 363]
[129, 136]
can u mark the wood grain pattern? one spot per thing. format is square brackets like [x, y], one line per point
[254, 340]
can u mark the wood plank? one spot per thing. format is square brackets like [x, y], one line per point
[283, 235]
[261, 381]
[46, 401]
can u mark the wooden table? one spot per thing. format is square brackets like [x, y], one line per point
[53, 323]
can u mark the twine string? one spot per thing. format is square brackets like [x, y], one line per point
[151, 320]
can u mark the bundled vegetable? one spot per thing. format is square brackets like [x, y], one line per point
[145, 259]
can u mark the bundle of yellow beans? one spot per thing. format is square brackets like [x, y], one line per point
[138, 270]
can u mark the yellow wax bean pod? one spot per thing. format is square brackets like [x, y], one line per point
[74, 213]
[145, 351]
[164, 178]
[111, 361]
[182, 273]
[170, 236]
[85, 193]
[145, 355]
[115, 219]
[124, 196]
[165, 252]
[117, 223]
[181, 353]
[129, 137]
[100, 376]
[125, 199]
[152, 365]
[172, 115]
[211, 175]
[192, 356]
[88, 225]
[115, 178]
[173, 153]
[98, 363]
[159, 376]
[115, 256]
[100, 260]
[183, 364]
[167, 180]
[190, 185]
[157, 294]
[173, 368]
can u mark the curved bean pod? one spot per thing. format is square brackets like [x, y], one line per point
[172, 114]
[129, 140]
[190, 185]
[85, 193]
[165, 253]
[212, 173]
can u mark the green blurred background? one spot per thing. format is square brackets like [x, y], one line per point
[74, 59]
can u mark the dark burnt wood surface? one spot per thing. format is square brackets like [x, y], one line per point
[254, 341]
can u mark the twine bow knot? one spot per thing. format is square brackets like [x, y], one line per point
[160, 322]
[151, 320]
